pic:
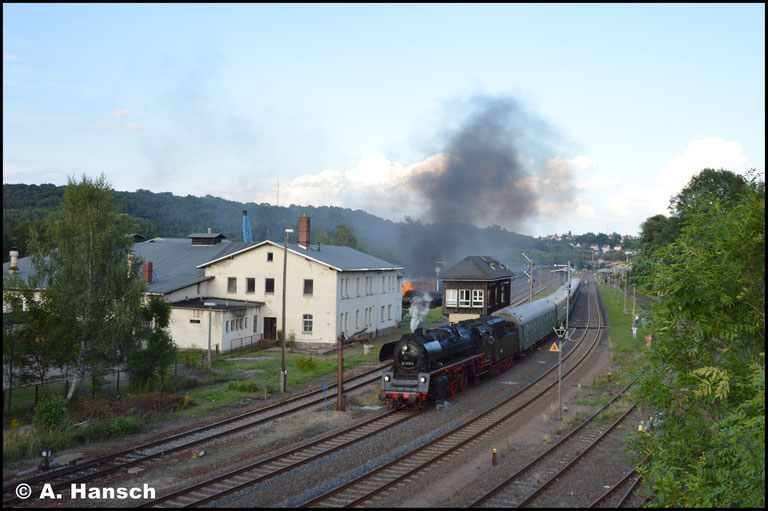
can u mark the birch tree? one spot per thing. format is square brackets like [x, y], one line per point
[91, 288]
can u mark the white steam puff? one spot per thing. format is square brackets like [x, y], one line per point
[419, 310]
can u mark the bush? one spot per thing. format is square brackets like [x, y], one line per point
[51, 413]
[142, 405]
[306, 364]
[242, 386]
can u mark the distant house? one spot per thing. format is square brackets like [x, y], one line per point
[617, 248]
[476, 286]
[606, 249]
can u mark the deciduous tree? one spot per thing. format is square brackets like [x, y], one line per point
[91, 289]
[705, 369]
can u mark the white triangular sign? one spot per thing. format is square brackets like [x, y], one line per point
[554, 347]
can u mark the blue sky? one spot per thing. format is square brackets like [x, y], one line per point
[345, 104]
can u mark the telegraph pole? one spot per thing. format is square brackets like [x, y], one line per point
[625, 294]
[634, 292]
[530, 278]
[563, 333]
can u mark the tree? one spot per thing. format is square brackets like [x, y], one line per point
[92, 292]
[706, 367]
[722, 184]
[345, 236]
[151, 349]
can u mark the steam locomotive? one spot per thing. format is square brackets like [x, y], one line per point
[442, 361]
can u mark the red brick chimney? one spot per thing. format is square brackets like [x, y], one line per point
[146, 272]
[304, 231]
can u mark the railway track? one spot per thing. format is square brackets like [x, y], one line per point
[529, 484]
[364, 489]
[225, 484]
[102, 466]
[220, 486]
[621, 491]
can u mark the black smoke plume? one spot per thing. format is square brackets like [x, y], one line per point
[494, 158]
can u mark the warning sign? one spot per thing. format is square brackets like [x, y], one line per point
[554, 347]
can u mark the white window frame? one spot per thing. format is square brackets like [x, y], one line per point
[451, 297]
[306, 320]
[465, 298]
[477, 298]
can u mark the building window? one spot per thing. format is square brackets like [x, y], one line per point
[245, 323]
[389, 311]
[341, 321]
[250, 285]
[382, 313]
[464, 298]
[269, 257]
[255, 323]
[269, 286]
[308, 285]
[307, 321]
[357, 318]
[226, 325]
[194, 321]
[232, 285]
[346, 320]
[477, 298]
[357, 286]
[450, 297]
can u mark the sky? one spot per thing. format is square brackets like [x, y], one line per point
[540, 118]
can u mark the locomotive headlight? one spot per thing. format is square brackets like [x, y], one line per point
[386, 378]
[423, 379]
[405, 347]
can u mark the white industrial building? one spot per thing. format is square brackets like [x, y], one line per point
[236, 289]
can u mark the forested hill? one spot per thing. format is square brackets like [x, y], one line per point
[414, 245]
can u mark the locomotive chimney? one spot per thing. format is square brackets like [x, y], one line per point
[304, 232]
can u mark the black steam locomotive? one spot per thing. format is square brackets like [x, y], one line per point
[442, 361]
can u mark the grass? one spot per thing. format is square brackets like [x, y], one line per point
[624, 348]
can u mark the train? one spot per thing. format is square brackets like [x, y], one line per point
[442, 361]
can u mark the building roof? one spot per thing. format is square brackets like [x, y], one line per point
[338, 258]
[177, 263]
[479, 268]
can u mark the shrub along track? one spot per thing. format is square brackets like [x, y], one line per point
[102, 466]
[405, 469]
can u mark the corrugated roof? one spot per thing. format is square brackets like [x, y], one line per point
[478, 268]
[336, 257]
[177, 263]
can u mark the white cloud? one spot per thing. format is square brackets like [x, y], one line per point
[575, 194]
[629, 206]
[120, 113]
[707, 152]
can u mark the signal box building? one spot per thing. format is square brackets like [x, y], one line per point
[476, 286]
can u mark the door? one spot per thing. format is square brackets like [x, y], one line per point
[270, 329]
